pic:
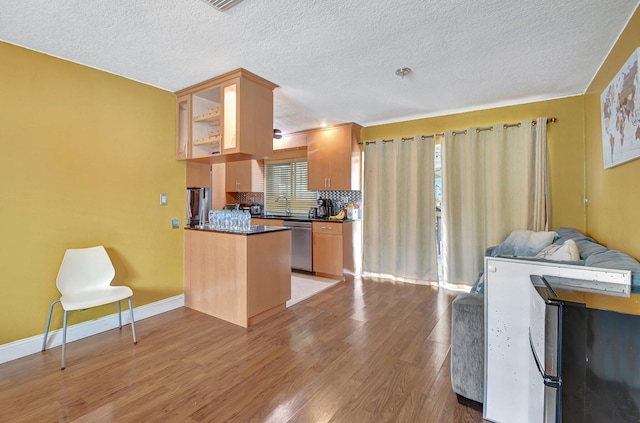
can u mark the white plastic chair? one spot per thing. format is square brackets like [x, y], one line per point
[84, 280]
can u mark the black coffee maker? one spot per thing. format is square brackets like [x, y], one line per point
[326, 208]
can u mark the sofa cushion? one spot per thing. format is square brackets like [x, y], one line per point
[524, 243]
[588, 248]
[560, 252]
[478, 286]
[586, 245]
[570, 233]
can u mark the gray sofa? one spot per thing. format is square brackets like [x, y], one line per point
[467, 318]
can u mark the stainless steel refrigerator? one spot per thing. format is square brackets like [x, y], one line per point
[198, 204]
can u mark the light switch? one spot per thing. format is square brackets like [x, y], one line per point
[163, 199]
[175, 223]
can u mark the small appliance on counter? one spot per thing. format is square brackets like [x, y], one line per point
[313, 212]
[325, 208]
[253, 209]
[256, 209]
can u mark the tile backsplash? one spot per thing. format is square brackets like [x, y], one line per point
[250, 198]
[343, 197]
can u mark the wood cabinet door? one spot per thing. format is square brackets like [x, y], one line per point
[327, 254]
[230, 136]
[244, 176]
[198, 175]
[183, 127]
[256, 176]
[319, 144]
[330, 154]
[255, 118]
[339, 159]
[230, 177]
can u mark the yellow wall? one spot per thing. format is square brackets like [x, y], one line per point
[85, 156]
[614, 193]
[565, 140]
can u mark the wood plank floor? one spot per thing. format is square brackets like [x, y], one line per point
[361, 351]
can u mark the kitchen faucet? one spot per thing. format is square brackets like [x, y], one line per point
[286, 199]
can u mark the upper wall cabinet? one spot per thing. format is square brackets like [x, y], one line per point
[183, 127]
[227, 118]
[244, 176]
[333, 155]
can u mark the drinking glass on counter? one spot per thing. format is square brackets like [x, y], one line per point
[230, 220]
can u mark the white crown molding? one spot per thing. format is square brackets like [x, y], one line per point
[27, 346]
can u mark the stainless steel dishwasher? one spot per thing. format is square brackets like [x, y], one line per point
[301, 245]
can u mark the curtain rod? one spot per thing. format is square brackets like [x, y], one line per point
[441, 134]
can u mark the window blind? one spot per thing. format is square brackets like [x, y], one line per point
[288, 178]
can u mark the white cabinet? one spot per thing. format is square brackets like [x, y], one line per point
[508, 361]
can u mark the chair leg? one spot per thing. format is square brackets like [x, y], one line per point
[46, 329]
[64, 338]
[133, 326]
[119, 316]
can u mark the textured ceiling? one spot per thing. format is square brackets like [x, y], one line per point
[335, 59]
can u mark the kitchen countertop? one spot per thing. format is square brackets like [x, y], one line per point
[302, 218]
[255, 229]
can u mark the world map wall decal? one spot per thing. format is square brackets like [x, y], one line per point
[621, 115]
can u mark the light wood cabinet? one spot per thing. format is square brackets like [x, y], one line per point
[183, 127]
[327, 254]
[334, 160]
[225, 277]
[244, 176]
[337, 250]
[227, 118]
[198, 175]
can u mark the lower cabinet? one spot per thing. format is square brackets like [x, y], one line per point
[239, 278]
[336, 248]
[327, 253]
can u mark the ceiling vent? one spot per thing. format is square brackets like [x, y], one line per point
[222, 5]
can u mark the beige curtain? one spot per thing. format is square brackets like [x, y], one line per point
[541, 216]
[399, 209]
[494, 181]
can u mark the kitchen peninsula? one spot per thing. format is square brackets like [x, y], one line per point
[240, 277]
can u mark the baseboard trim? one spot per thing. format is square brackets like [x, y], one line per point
[33, 344]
